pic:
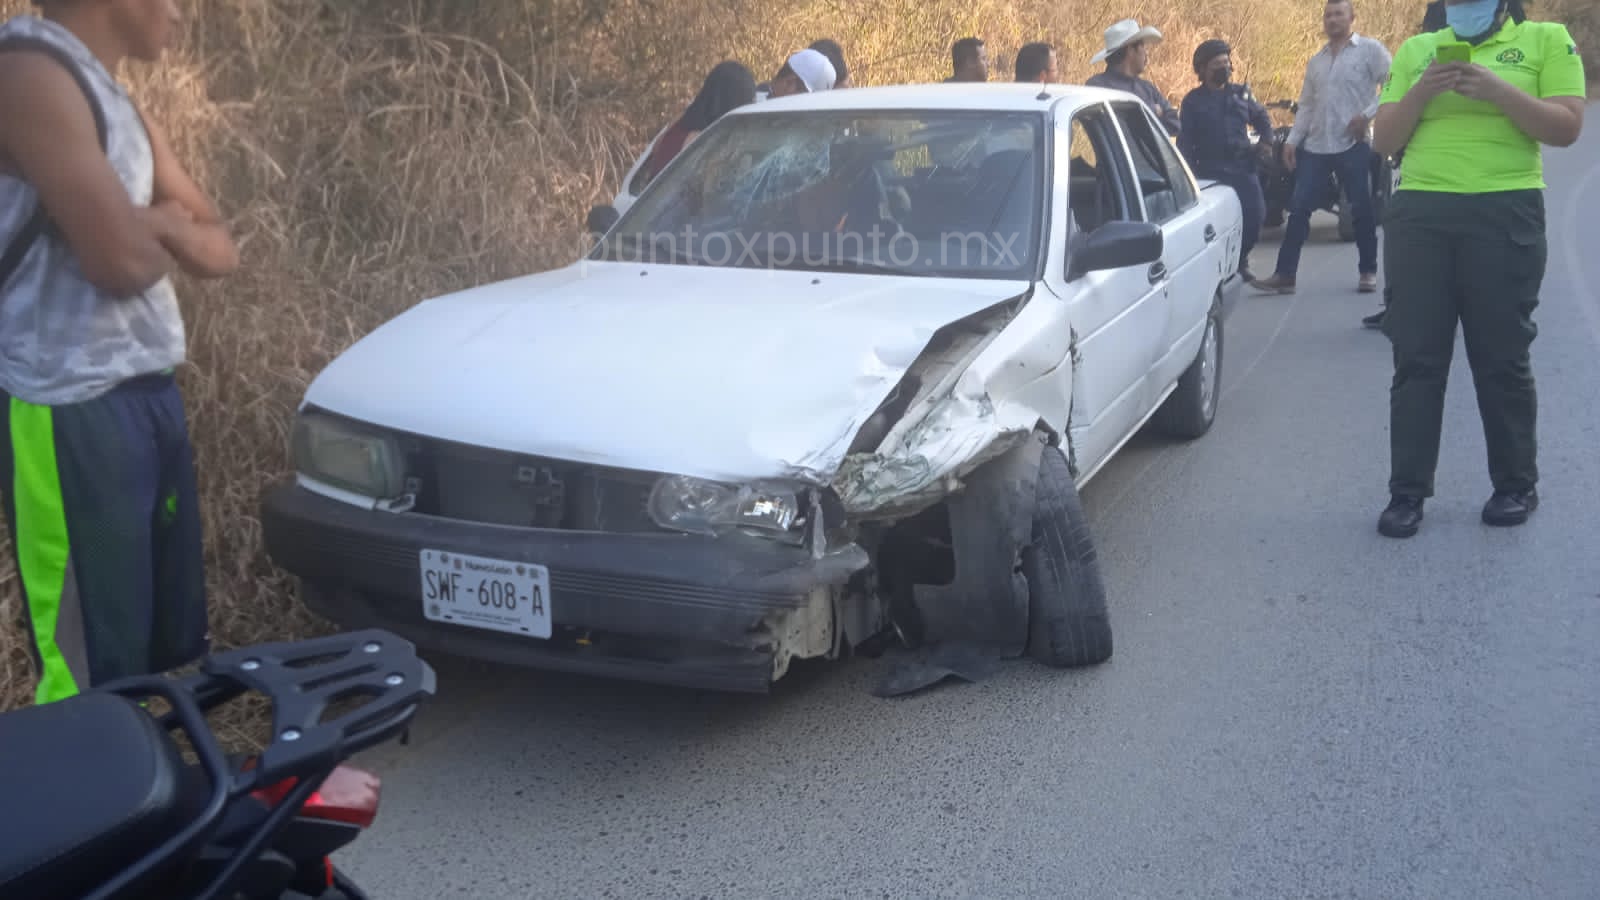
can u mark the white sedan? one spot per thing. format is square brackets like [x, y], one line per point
[835, 378]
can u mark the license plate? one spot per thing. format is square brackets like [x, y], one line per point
[493, 594]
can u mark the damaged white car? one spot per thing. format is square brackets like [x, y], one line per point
[834, 379]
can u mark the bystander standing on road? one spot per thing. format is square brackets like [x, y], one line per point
[1217, 119]
[1465, 239]
[1338, 98]
[96, 213]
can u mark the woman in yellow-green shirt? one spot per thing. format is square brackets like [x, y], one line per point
[1464, 237]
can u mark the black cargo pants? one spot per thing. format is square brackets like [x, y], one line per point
[1478, 259]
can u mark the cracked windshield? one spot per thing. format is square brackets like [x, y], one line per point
[951, 194]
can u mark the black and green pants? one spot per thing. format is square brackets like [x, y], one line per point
[105, 524]
[1477, 259]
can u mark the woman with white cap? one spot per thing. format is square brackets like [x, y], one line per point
[1127, 55]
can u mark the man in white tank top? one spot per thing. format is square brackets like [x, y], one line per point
[96, 467]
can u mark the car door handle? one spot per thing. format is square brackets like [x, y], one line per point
[1211, 234]
[1158, 273]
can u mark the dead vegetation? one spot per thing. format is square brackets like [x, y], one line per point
[372, 153]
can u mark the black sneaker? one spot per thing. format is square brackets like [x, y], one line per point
[1402, 518]
[1375, 320]
[1508, 508]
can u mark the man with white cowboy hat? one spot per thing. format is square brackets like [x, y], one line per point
[1126, 56]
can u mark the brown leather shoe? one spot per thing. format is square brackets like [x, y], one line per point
[1368, 283]
[1277, 284]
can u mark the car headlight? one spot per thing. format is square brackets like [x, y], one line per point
[681, 503]
[343, 456]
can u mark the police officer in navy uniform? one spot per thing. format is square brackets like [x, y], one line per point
[1217, 117]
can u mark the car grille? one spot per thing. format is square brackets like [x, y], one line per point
[494, 487]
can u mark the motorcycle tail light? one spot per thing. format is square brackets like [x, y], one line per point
[347, 795]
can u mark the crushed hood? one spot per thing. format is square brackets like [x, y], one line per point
[729, 374]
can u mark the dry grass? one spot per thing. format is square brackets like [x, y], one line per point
[372, 153]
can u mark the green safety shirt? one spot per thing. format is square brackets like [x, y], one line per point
[1467, 146]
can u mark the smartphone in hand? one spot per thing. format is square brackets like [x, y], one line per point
[1460, 52]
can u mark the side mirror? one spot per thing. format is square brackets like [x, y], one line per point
[601, 218]
[1116, 245]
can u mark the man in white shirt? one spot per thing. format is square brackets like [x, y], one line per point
[1331, 135]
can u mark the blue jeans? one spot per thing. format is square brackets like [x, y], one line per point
[1353, 168]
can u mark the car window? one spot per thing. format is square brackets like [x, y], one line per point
[1097, 190]
[948, 193]
[1167, 193]
[1183, 185]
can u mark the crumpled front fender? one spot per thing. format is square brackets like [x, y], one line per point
[996, 391]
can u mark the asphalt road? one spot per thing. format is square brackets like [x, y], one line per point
[1297, 707]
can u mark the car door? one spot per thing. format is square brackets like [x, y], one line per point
[1116, 314]
[1170, 199]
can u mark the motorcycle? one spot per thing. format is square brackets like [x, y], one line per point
[1277, 182]
[105, 800]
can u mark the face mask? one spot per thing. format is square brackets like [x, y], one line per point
[1471, 19]
[1221, 76]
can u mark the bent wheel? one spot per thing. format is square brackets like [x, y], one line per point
[1192, 407]
[1067, 621]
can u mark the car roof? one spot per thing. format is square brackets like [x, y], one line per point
[981, 97]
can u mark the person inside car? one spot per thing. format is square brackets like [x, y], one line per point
[849, 198]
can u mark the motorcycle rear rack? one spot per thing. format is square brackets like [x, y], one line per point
[306, 682]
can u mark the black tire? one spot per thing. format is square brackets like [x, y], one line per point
[1192, 407]
[1067, 622]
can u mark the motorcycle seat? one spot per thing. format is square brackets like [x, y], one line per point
[90, 785]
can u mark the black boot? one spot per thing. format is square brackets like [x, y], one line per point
[1507, 508]
[1402, 518]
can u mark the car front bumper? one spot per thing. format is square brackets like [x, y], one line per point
[665, 608]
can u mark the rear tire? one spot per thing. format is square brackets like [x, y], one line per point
[1067, 622]
[1192, 407]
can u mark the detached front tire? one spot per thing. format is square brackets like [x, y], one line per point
[1067, 621]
